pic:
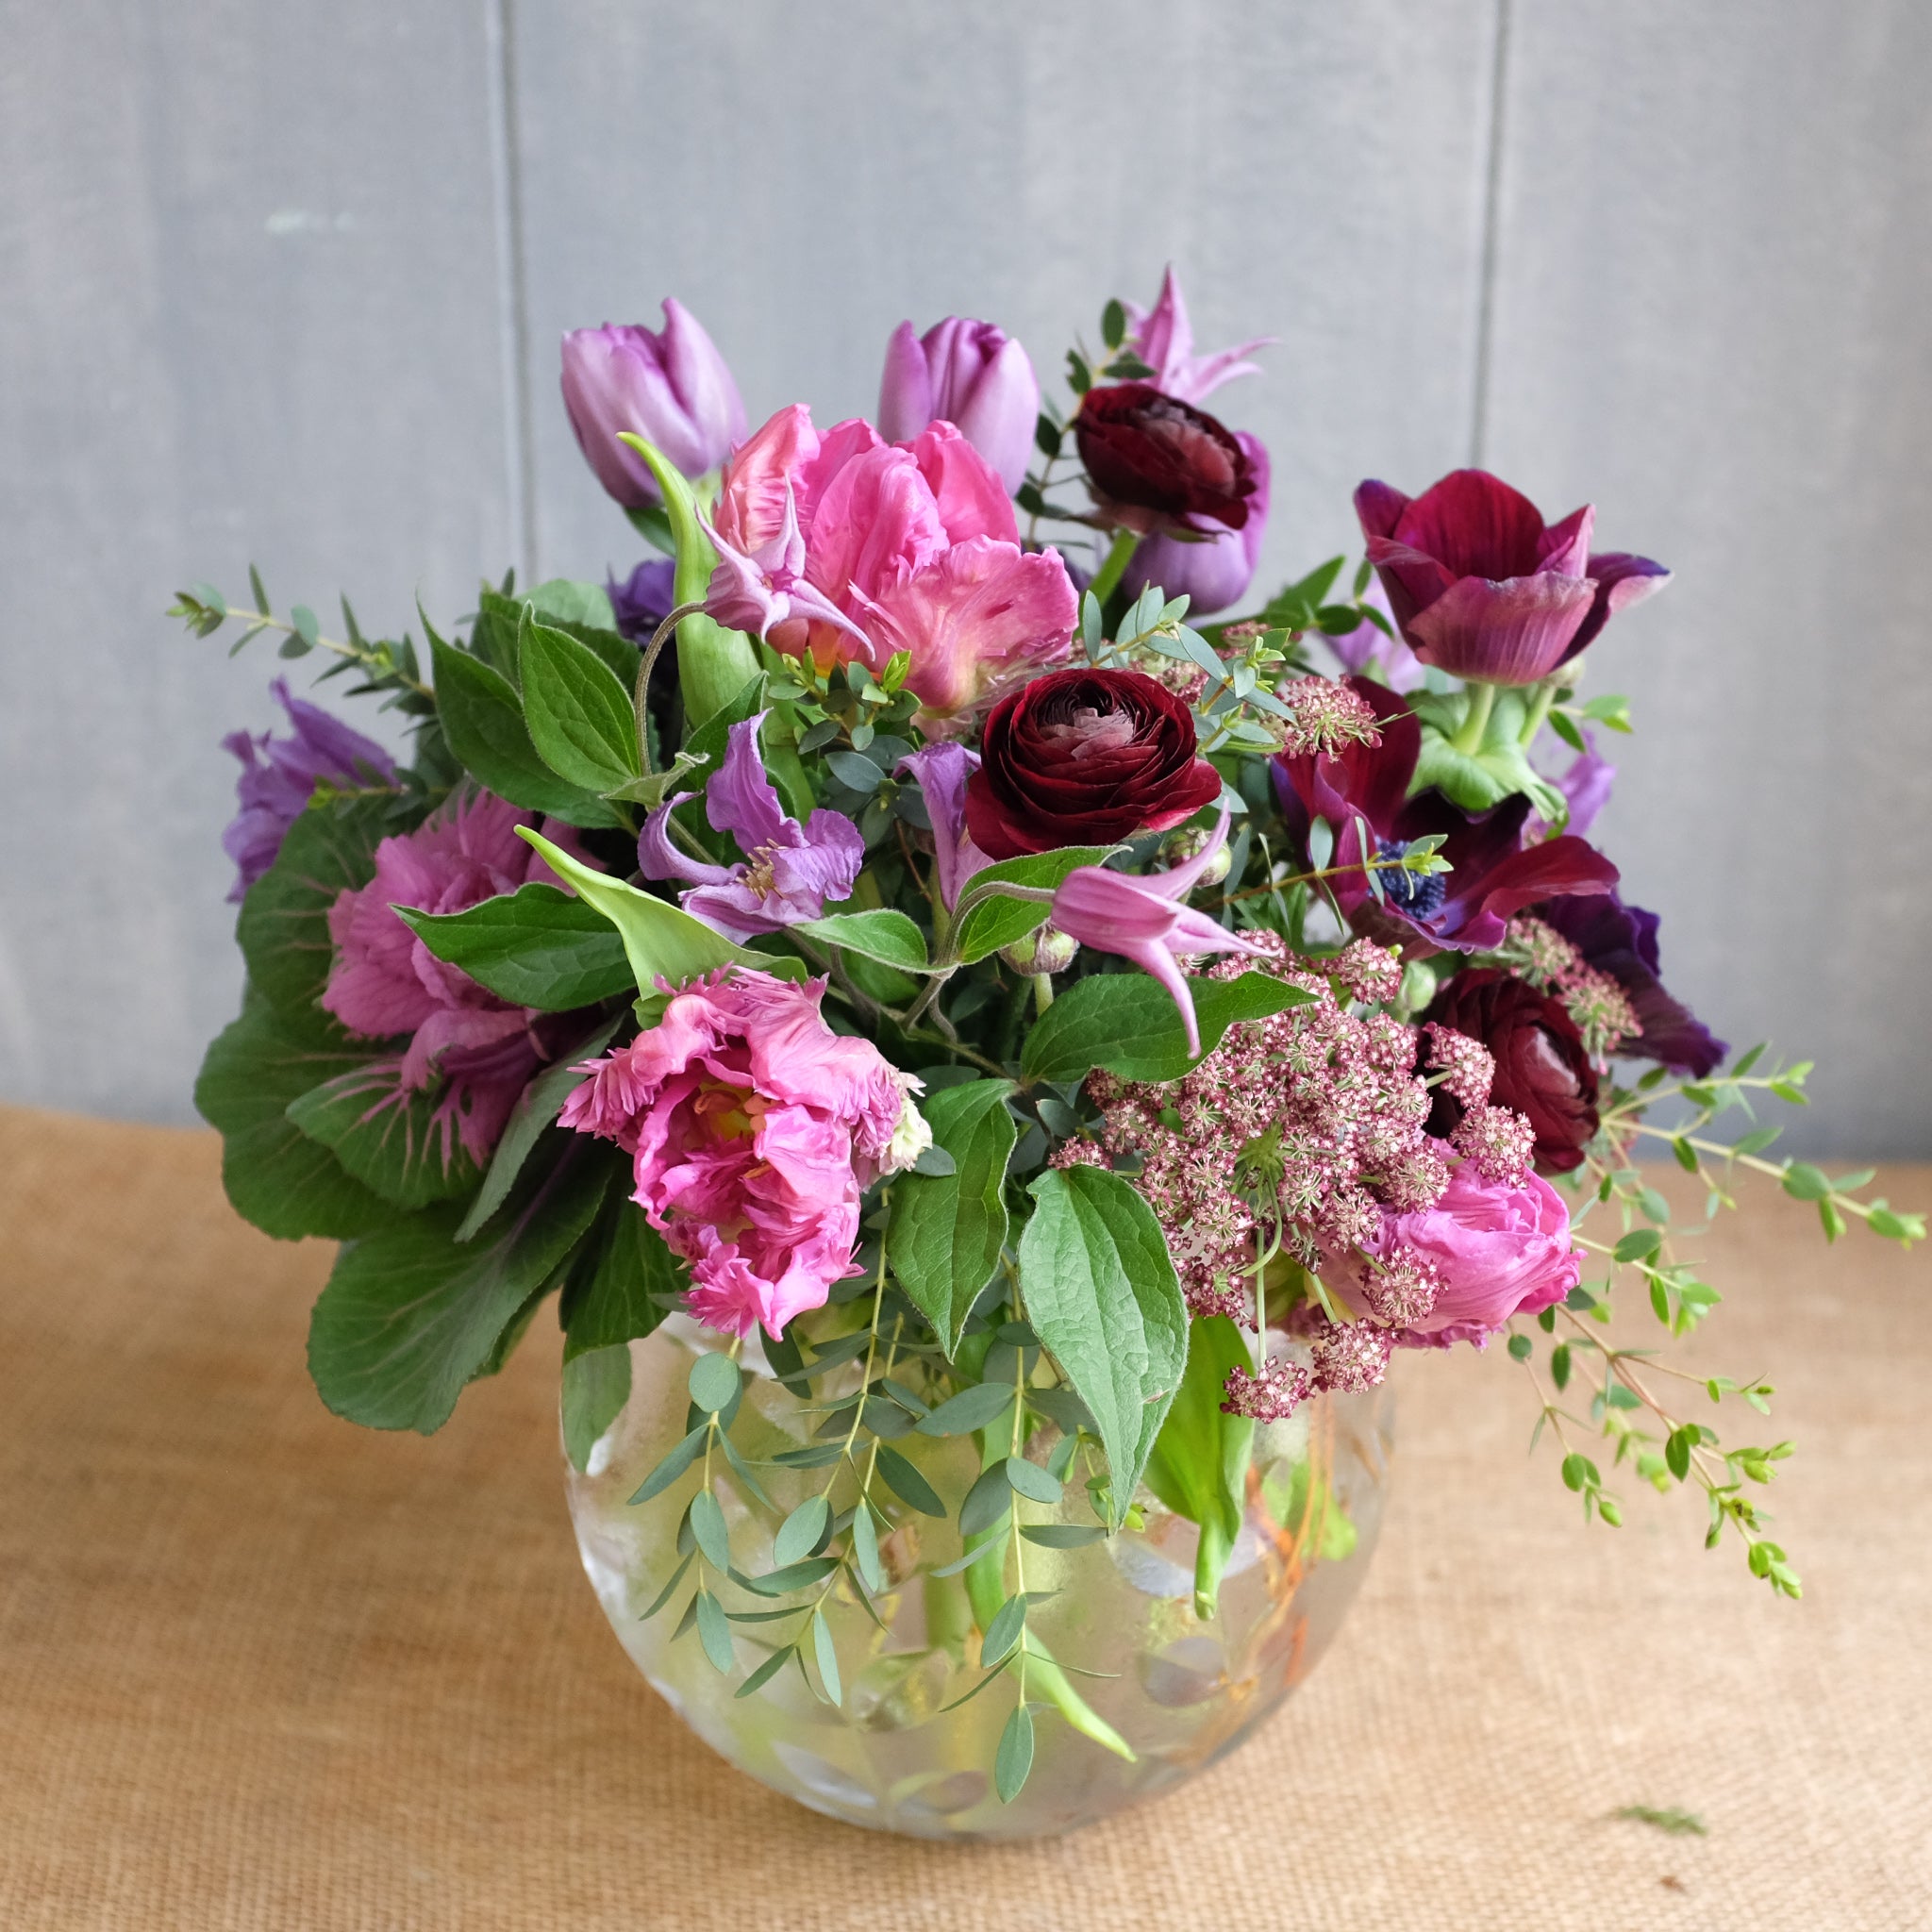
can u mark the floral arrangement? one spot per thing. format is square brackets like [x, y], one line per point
[914, 930]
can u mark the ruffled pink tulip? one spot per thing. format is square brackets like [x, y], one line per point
[968, 374]
[1147, 920]
[754, 1129]
[670, 386]
[915, 545]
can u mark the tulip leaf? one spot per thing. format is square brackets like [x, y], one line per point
[408, 1316]
[275, 1177]
[580, 718]
[403, 1144]
[712, 662]
[882, 934]
[1129, 1024]
[662, 941]
[537, 947]
[1101, 1295]
[483, 718]
[1199, 1464]
[947, 1231]
[997, 921]
[597, 1385]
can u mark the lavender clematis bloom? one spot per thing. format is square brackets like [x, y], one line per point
[644, 599]
[279, 775]
[670, 386]
[1145, 920]
[1621, 940]
[1482, 588]
[754, 590]
[788, 871]
[940, 771]
[968, 374]
[1164, 340]
[1586, 784]
[1216, 573]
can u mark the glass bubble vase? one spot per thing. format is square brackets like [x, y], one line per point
[899, 1751]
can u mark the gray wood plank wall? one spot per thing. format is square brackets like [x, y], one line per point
[285, 284]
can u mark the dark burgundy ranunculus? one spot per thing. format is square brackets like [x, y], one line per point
[1085, 758]
[1542, 1068]
[1158, 464]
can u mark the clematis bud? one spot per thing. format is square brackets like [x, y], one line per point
[1190, 842]
[670, 386]
[968, 374]
[1045, 949]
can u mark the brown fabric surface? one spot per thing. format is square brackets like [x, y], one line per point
[260, 1669]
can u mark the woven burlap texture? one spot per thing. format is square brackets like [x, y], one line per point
[260, 1669]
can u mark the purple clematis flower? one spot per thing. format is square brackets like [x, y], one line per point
[279, 775]
[1145, 920]
[1482, 588]
[1164, 340]
[1586, 783]
[940, 771]
[789, 871]
[754, 591]
[1621, 940]
[1494, 875]
[1368, 643]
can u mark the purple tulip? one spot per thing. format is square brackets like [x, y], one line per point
[1218, 572]
[789, 870]
[1482, 588]
[1145, 920]
[644, 599]
[669, 386]
[279, 775]
[1164, 340]
[968, 374]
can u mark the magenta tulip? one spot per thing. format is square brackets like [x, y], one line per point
[968, 374]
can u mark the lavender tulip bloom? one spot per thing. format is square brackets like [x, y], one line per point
[1216, 573]
[1164, 340]
[1482, 588]
[644, 599]
[1145, 920]
[968, 374]
[788, 871]
[670, 387]
[279, 775]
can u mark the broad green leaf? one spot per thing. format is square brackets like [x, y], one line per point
[619, 1272]
[579, 716]
[1129, 1024]
[998, 921]
[581, 609]
[947, 1231]
[283, 929]
[483, 720]
[408, 1315]
[566, 601]
[536, 946]
[1199, 1464]
[884, 935]
[537, 1106]
[662, 941]
[275, 1177]
[1101, 1295]
[405, 1145]
[712, 662]
[596, 1385]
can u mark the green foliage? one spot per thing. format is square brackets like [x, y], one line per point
[622, 1279]
[1199, 1462]
[536, 946]
[579, 716]
[389, 1138]
[1129, 1024]
[1102, 1294]
[884, 935]
[987, 922]
[596, 1385]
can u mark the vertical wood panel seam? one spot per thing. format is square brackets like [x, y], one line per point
[512, 288]
[1492, 219]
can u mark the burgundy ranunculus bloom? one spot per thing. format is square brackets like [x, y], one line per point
[1158, 464]
[1542, 1071]
[1495, 875]
[1085, 758]
[1482, 588]
[1621, 940]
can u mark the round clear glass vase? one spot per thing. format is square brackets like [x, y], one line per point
[899, 1752]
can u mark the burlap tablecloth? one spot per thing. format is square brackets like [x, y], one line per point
[260, 1669]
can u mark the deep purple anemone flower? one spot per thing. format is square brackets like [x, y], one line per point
[644, 599]
[1621, 940]
[1482, 588]
[789, 871]
[1494, 875]
[279, 775]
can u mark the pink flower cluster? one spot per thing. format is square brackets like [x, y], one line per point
[1599, 1006]
[899, 546]
[754, 1129]
[384, 981]
[1303, 1136]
